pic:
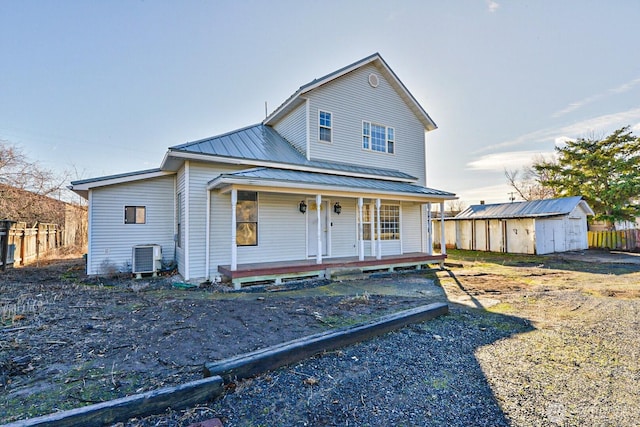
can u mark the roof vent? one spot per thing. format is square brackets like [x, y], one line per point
[373, 80]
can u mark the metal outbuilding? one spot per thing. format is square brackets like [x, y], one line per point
[535, 227]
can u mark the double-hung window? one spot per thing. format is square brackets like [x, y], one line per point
[247, 218]
[378, 138]
[389, 222]
[325, 126]
[135, 215]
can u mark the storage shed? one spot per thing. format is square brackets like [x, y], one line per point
[535, 227]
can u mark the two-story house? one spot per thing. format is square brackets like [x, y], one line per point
[334, 177]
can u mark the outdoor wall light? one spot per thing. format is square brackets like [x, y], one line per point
[302, 206]
[337, 208]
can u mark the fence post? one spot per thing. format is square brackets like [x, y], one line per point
[4, 241]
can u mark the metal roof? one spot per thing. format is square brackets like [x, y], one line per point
[534, 208]
[284, 176]
[263, 143]
[118, 176]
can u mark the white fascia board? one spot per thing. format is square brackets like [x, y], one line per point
[81, 187]
[225, 184]
[287, 166]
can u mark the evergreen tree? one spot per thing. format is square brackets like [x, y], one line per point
[606, 172]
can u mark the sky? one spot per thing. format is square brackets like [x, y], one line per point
[103, 87]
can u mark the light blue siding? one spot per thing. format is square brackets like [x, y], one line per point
[293, 128]
[107, 219]
[411, 231]
[351, 100]
[199, 176]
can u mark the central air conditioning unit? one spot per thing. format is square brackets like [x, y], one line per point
[146, 259]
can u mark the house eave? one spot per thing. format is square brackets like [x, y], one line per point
[224, 184]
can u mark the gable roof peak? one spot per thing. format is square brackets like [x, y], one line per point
[297, 98]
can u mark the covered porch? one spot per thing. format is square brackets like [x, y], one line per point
[314, 225]
[328, 268]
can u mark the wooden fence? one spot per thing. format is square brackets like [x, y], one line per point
[624, 240]
[21, 245]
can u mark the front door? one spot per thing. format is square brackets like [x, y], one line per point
[312, 227]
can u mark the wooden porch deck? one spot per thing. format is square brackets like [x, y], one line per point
[282, 270]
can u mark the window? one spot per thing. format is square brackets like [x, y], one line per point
[134, 215]
[247, 218]
[389, 222]
[378, 138]
[324, 131]
[366, 222]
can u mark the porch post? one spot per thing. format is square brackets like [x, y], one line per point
[319, 228]
[234, 244]
[443, 244]
[379, 241]
[360, 230]
[429, 230]
[207, 242]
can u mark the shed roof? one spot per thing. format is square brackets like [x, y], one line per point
[532, 209]
[262, 143]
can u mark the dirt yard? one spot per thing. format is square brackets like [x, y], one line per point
[558, 342]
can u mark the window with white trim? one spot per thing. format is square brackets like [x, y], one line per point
[325, 126]
[247, 218]
[135, 215]
[389, 222]
[378, 138]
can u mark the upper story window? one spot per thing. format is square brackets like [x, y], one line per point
[378, 138]
[324, 129]
[135, 215]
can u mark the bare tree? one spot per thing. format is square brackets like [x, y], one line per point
[456, 206]
[527, 181]
[23, 183]
[16, 170]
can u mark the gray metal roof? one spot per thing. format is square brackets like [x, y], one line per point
[339, 182]
[534, 208]
[117, 176]
[263, 143]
